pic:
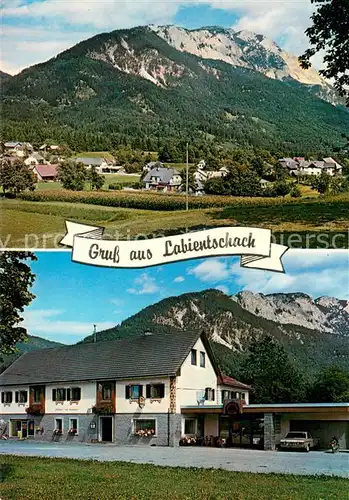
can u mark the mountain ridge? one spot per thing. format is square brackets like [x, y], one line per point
[132, 86]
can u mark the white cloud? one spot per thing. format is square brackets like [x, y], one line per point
[319, 273]
[44, 322]
[179, 279]
[144, 285]
[223, 288]
[211, 270]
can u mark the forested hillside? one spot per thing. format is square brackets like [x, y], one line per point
[132, 87]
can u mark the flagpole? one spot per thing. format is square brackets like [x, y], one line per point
[187, 181]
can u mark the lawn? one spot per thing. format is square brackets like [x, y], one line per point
[30, 478]
[109, 179]
[95, 154]
[45, 221]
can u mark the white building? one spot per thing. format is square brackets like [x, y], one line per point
[156, 389]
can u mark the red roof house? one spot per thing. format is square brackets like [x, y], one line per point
[46, 172]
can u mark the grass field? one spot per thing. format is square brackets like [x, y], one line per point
[95, 154]
[45, 221]
[109, 179]
[31, 478]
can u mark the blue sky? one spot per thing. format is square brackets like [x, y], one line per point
[36, 30]
[71, 297]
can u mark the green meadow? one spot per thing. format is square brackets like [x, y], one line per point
[306, 218]
[30, 478]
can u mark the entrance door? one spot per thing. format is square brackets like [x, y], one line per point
[106, 429]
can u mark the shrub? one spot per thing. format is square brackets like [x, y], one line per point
[103, 409]
[115, 187]
[295, 192]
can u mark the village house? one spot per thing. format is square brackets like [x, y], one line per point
[298, 166]
[101, 164]
[204, 175]
[45, 173]
[19, 149]
[153, 164]
[154, 389]
[163, 179]
[53, 148]
[34, 159]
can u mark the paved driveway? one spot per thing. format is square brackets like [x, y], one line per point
[315, 462]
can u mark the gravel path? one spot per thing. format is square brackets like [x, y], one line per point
[315, 462]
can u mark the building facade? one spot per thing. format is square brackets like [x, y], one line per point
[95, 392]
[155, 389]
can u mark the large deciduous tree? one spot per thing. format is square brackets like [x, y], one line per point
[330, 33]
[332, 386]
[16, 279]
[15, 177]
[72, 175]
[273, 376]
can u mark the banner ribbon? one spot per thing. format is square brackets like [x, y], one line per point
[253, 245]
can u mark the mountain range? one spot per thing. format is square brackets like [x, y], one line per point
[150, 84]
[314, 332]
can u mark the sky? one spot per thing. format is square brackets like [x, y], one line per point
[36, 30]
[72, 297]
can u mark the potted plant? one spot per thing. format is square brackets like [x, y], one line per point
[34, 410]
[103, 409]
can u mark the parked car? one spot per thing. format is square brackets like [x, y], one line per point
[299, 439]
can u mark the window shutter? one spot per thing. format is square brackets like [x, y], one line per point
[3, 397]
[68, 394]
[54, 396]
[206, 393]
[213, 395]
[25, 396]
[127, 392]
[16, 396]
[11, 396]
[64, 394]
[140, 391]
[162, 390]
[148, 391]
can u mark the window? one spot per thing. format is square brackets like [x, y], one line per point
[144, 427]
[190, 426]
[21, 396]
[6, 397]
[225, 396]
[37, 394]
[73, 426]
[107, 389]
[155, 391]
[59, 425]
[193, 357]
[202, 359]
[59, 394]
[133, 391]
[234, 395]
[75, 394]
[209, 394]
[243, 395]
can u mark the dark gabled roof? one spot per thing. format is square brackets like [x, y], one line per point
[165, 174]
[136, 357]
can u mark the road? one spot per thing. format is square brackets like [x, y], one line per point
[315, 462]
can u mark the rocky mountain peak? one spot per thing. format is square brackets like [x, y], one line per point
[240, 49]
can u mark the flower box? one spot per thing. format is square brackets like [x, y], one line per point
[35, 410]
[145, 433]
[103, 409]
